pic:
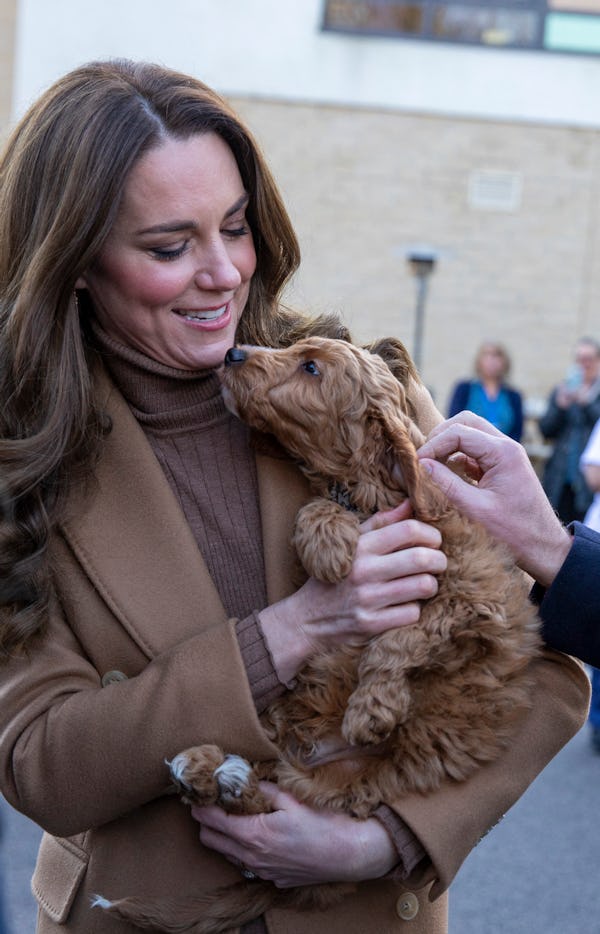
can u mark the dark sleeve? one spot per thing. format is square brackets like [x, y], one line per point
[516, 401]
[591, 411]
[553, 420]
[459, 398]
[570, 608]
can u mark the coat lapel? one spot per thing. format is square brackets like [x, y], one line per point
[134, 543]
[282, 491]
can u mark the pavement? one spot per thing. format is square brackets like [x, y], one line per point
[537, 872]
[19, 840]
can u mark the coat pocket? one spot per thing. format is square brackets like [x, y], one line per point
[60, 868]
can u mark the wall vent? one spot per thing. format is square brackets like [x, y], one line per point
[492, 190]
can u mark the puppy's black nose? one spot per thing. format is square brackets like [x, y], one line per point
[234, 355]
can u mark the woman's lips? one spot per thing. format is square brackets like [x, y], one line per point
[209, 314]
[207, 319]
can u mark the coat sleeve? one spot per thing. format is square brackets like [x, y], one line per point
[54, 702]
[591, 412]
[452, 820]
[570, 608]
[553, 420]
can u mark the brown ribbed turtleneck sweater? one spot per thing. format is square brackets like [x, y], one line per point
[205, 454]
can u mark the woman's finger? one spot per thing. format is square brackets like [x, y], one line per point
[387, 517]
[408, 533]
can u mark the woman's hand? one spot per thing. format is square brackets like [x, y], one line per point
[508, 498]
[298, 845]
[395, 567]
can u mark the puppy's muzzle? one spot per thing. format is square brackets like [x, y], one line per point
[235, 355]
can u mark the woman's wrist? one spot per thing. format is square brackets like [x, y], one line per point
[378, 854]
[285, 638]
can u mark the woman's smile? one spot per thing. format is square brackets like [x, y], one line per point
[212, 318]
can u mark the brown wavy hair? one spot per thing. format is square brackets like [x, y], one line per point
[62, 177]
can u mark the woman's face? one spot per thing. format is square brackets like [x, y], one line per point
[173, 276]
[588, 360]
[491, 363]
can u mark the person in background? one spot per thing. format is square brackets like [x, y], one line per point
[590, 467]
[150, 599]
[573, 410]
[488, 394]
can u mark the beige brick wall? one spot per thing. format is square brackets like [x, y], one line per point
[362, 185]
[7, 38]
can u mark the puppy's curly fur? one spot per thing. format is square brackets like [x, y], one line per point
[411, 708]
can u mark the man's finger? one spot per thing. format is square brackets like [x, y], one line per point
[457, 490]
[481, 447]
[468, 420]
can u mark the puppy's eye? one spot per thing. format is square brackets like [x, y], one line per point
[311, 367]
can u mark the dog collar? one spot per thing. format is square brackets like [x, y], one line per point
[340, 494]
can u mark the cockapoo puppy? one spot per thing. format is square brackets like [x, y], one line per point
[407, 710]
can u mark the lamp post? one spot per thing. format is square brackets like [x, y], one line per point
[422, 262]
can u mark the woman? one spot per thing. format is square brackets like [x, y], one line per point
[149, 595]
[488, 395]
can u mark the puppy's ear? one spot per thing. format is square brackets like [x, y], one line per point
[396, 356]
[402, 440]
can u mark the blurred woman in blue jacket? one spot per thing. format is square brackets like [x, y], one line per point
[488, 394]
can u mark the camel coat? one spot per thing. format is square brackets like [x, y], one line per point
[141, 662]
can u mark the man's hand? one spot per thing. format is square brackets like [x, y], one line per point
[507, 499]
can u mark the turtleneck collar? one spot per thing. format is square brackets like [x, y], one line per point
[160, 396]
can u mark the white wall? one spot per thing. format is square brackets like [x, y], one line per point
[275, 49]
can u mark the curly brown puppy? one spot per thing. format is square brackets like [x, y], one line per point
[412, 707]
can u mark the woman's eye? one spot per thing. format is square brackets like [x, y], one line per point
[167, 254]
[311, 367]
[237, 231]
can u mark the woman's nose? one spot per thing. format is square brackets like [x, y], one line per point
[217, 271]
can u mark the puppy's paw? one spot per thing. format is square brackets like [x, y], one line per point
[205, 775]
[233, 779]
[193, 772]
[367, 724]
[325, 538]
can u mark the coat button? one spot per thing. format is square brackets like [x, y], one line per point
[111, 677]
[407, 906]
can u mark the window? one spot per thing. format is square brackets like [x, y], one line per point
[547, 25]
